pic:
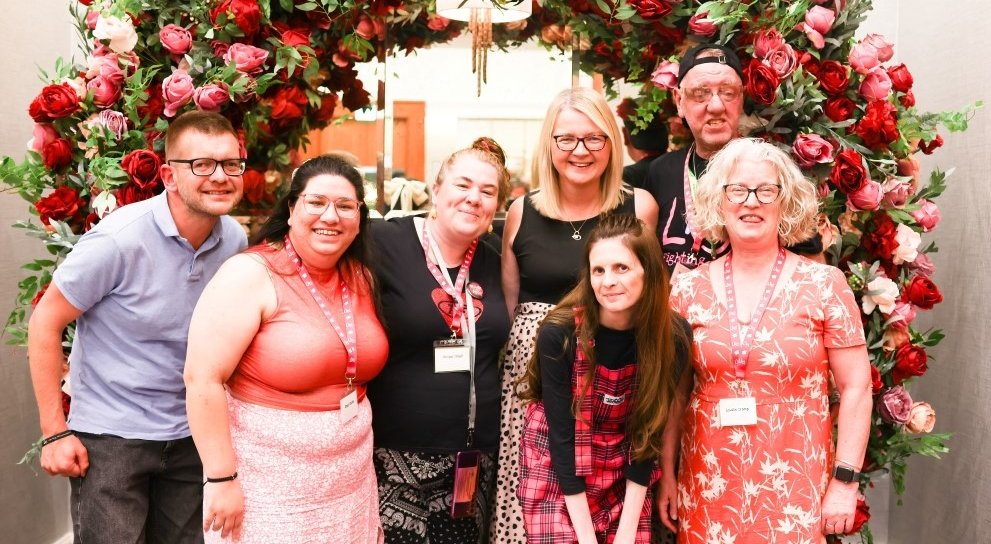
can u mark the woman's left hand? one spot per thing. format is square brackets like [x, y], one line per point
[838, 507]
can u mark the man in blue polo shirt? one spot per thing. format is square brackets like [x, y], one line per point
[130, 284]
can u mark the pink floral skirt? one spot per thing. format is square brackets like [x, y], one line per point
[307, 477]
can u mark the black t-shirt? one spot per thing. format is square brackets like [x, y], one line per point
[636, 174]
[414, 408]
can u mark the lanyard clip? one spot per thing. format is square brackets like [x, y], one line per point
[350, 383]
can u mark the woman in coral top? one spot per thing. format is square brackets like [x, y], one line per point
[281, 345]
[758, 463]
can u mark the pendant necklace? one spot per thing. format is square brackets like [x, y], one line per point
[577, 235]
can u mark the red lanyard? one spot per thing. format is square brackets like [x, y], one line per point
[742, 346]
[348, 336]
[455, 291]
[690, 202]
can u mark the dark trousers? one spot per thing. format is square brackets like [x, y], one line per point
[138, 491]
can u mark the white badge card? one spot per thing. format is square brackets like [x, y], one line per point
[737, 411]
[451, 355]
[349, 406]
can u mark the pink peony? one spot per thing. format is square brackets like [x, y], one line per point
[176, 39]
[896, 193]
[818, 21]
[927, 215]
[115, 121]
[211, 97]
[876, 85]
[811, 149]
[923, 265]
[782, 59]
[863, 58]
[177, 91]
[921, 418]
[895, 405]
[903, 315]
[104, 65]
[885, 49]
[765, 41]
[867, 197]
[105, 91]
[246, 58]
[665, 75]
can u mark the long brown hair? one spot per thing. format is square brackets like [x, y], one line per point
[659, 339]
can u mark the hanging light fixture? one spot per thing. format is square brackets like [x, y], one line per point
[480, 14]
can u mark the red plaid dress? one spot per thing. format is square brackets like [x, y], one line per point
[601, 455]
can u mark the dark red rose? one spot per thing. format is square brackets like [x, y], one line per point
[57, 154]
[651, 9]
[62, 204]
[809, 63]
[876, 383]
[254, 185]
[142, 166]
[833, 77]
[878, 127]
[132, 193]
[860, 516]
[39, 294]
[761, 82]
[355, 97]
[839, 108]
[881, 241]
[626, 108]
[907, 100]
[288, 104]
[922, 292]
[58, 101]
[849, 173]
[294, 37]
[219, 48]
[901, 78]
[245, 14]
[325, 113]
[91, 220]
[909, 361]
[932, 145]
[154, 104]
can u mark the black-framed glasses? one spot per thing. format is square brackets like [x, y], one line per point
[317, 204]
[738, 194]
[567, 142]
[206, 167]
[702, 95]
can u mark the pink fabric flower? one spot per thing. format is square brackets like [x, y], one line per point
[908, 244]
[782, 59]
[42, 135]
[246, 58]
[176, 39]
[105, 91]
[115, 121]
[177, 91]
[902, 316]
[895, 405]
[885, 49]
[876, 85]
[867, 197]
[896, 193]
[818, 21]
[927, 215]
[105, 65]
[665, 75]
[211, 97]
[864, 57]
[765, 41]
[120, 33]
[811, 149]
[700, 25]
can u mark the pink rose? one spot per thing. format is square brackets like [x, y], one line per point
[765, 41]
[246, 58]
[115, 121]
[177, 91]
[895, 405]
[921, 418]
[91, 17]
[211, 97]
[700, 25]
[876, 86]
[882, 293]
[42, 135]
[923, 265]
[885, 49]
[908, 244]
[902, 316]
[782, 59]
[896, 193]
[120, 33]
[176, 39]
[927, 215]
[864, 57]
[105, 65]
[868, 197]
[811, 149]
[665, 75]
[818, 21]
[437, 23]
[105, 91]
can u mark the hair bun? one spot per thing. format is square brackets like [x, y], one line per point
[489, 145]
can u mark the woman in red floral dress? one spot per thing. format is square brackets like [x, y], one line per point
[770, 328]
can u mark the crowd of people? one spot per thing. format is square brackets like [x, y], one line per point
[657, 349]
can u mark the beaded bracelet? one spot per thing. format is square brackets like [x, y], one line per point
[219, 480]
[57, 436]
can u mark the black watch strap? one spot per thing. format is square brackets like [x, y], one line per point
[845, 474]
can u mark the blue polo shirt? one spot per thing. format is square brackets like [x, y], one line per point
[136, 281]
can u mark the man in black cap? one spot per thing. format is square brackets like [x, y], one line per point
[642, 145]
[709, 99]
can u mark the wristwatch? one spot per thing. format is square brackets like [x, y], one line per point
[845, 474]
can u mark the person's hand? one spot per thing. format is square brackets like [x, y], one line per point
[838, 507]
[223, 508]
[65, 457]
[667, 502]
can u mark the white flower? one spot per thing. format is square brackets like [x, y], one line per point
[908, 245]
[881, 293]
[121, 33]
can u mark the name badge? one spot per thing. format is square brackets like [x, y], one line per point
[737, 411]
[451, 355]
[349, 406]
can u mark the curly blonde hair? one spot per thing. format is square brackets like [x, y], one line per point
[799, 204]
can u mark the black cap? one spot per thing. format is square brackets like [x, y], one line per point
[690, 59]
[652, 139]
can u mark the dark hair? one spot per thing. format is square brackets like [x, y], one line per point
[488, 151]
[275, 229]
[659, 338]
[206, 122]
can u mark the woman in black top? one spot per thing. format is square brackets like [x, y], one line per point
[439, 283]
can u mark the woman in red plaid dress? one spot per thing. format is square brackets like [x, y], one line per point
[609, 353]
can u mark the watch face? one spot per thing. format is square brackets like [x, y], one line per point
[844, 474]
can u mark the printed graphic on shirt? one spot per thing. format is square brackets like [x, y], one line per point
[445, 303]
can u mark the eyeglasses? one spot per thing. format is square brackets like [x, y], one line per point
[567, 142]
[702, 95]
[738, 194]
[318, 204]
[206, 167]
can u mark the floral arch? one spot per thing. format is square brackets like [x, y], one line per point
[279, 68]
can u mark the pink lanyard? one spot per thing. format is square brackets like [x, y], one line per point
[456, 290]
[742, 347]
[348, 336]
[690, 202]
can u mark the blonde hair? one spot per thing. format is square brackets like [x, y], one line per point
[799, 205]
[488, 151]
[591, 104]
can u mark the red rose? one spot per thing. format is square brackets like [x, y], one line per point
[651, 9]
[132, 193]
[57, 154]
[907, 100]
[254, 185]
[39, 294]
[37, 111]
[142, 166]
[63, 203]
[931, 146]
[849, 173]
[761, 82]
[834, 78]
[154, 105]
[325, 113]
[881, 241]
[839, 108]
[860, 516]
[878, 127]
[700, 24]
[58, 101]
[901, 78]
[876, 383]
[909, 361]
[922, 292]
[246, 14]
[288, 104]
[355, 97]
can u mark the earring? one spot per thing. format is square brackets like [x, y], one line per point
[433, 213]
[490, 229]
